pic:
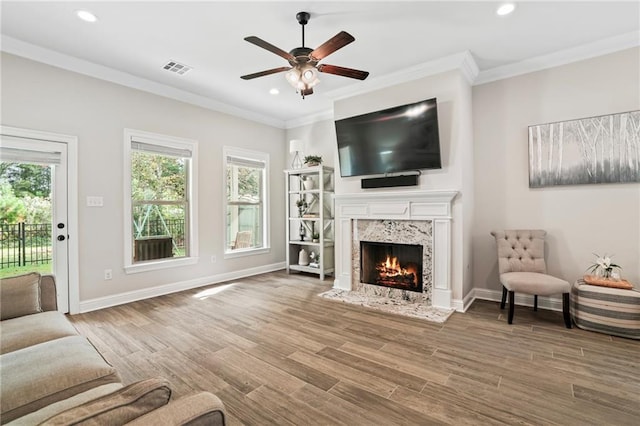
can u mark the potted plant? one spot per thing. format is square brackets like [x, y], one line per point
[315, 237]
[312, 160]
[603, 267]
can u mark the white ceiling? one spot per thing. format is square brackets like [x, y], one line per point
[137, 38]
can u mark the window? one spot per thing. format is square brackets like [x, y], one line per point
[246, 230]
[159, 202]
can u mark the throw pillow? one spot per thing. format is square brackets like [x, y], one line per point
[20, 296]
[119, 407]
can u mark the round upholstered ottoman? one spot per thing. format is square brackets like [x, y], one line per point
[606, 310]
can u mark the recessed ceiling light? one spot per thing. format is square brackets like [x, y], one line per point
[274, 91]
[86, 16]
[505, 9]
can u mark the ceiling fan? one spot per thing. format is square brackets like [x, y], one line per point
[303, 72]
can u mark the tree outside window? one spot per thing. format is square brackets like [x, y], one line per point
[245, 187]
[161, 201]
[160, 206]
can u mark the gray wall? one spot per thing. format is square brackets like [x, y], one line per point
[581, 219]
[41, 97]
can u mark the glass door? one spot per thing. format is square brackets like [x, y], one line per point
[33, 211]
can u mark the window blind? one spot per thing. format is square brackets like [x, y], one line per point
[18, 155]
[245, 162]
[151, 146]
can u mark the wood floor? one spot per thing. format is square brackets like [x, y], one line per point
[275, 353]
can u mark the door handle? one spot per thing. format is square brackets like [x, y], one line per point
[61, 238]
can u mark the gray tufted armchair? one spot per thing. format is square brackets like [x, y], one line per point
[523, 270]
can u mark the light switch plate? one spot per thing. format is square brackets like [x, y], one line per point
[95, 201]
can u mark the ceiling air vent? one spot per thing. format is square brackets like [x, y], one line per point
[177, 67]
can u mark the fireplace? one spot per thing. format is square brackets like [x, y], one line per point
[401, 217]
[391, 265]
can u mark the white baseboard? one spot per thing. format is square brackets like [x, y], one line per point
[441, 298]
[133, 296]
[342, 283]
[462, 305]
[551, 303]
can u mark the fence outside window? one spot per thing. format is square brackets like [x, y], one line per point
[29, 244]
[24, 244]
[173, 228]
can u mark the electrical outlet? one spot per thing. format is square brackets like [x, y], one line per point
[213, 259]
[107, 274]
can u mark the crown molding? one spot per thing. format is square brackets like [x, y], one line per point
[80, 66]
[309, 119]
[562, 57]
[463, 62]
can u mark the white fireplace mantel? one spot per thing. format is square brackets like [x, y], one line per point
[401, 205]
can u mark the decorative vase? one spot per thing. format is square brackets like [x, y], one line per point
[308, 183]
[303, 257]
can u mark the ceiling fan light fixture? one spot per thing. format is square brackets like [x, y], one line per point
[309, 75]
[293, 77]
[303, 78]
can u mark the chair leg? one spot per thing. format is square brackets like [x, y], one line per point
[504, 297]
[511, 306]
[565, 310]
[535, 302]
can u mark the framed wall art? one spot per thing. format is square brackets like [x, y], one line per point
[603, 149]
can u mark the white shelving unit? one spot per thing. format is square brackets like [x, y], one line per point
[315, 216]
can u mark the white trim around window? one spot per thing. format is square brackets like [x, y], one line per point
[250, 158]
[168, 144]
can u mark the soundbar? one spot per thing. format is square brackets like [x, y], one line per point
[385, 182]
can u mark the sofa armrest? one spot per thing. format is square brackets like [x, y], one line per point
[48, 296]
[203, 408]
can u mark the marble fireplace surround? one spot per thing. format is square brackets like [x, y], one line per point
[434, 206]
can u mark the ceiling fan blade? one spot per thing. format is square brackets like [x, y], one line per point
[336, 42]
[270, 47]
[263, 73]
[344, 72]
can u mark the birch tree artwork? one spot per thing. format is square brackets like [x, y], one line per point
[604, 149]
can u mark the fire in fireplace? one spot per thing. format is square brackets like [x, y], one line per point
[391, 265]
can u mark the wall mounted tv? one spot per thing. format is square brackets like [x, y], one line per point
[393, 140]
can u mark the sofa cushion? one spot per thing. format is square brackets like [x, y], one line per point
[29, 330]
[20, 295]
[42, 374]
[201, 409]
[119, 407]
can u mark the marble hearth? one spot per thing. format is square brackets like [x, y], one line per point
[406, 217]
[417, 232]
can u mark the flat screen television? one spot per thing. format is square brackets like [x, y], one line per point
[393, 140]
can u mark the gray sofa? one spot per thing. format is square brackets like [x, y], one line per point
[49, 374]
